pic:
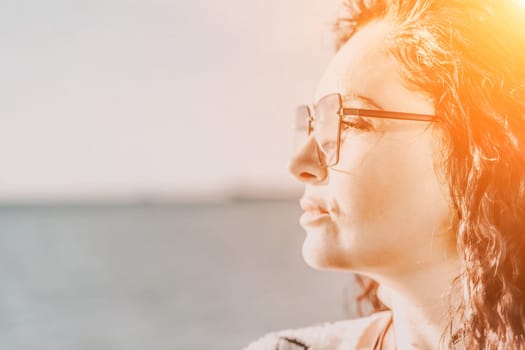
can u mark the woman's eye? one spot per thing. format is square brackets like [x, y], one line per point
[356, 123]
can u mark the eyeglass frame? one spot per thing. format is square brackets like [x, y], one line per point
[360, 112]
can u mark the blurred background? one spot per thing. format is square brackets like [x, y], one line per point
[144, 199]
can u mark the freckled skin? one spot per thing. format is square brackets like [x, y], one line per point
[390, 209]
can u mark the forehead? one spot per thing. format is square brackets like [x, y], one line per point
[363, 66]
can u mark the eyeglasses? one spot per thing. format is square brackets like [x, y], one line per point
[326, 120]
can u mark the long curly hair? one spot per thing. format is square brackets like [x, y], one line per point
[469, 55]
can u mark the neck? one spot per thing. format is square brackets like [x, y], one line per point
[420, 303]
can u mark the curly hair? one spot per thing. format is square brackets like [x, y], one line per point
[469, 55]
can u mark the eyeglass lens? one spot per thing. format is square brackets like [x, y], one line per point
[323, 123]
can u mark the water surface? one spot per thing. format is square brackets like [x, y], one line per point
[181, 276]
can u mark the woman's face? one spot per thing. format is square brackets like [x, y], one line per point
[382, 207]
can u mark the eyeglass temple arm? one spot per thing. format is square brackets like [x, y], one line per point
[387, 114]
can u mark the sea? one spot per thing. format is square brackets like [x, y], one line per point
[185, 276]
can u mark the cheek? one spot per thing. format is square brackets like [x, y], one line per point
[369, 178]
[388, 186]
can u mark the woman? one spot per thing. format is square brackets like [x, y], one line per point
[414, 173]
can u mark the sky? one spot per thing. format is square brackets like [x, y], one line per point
[157, 99]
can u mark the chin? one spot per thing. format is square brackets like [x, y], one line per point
[322, 257]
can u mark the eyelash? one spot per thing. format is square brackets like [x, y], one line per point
[357, 123]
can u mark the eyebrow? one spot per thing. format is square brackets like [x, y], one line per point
[355, 96]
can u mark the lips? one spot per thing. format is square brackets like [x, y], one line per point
[315, 212]
[313, 205]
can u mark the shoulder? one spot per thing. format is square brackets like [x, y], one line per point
[329, 336]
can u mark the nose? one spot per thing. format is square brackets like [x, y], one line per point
[306, 165]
